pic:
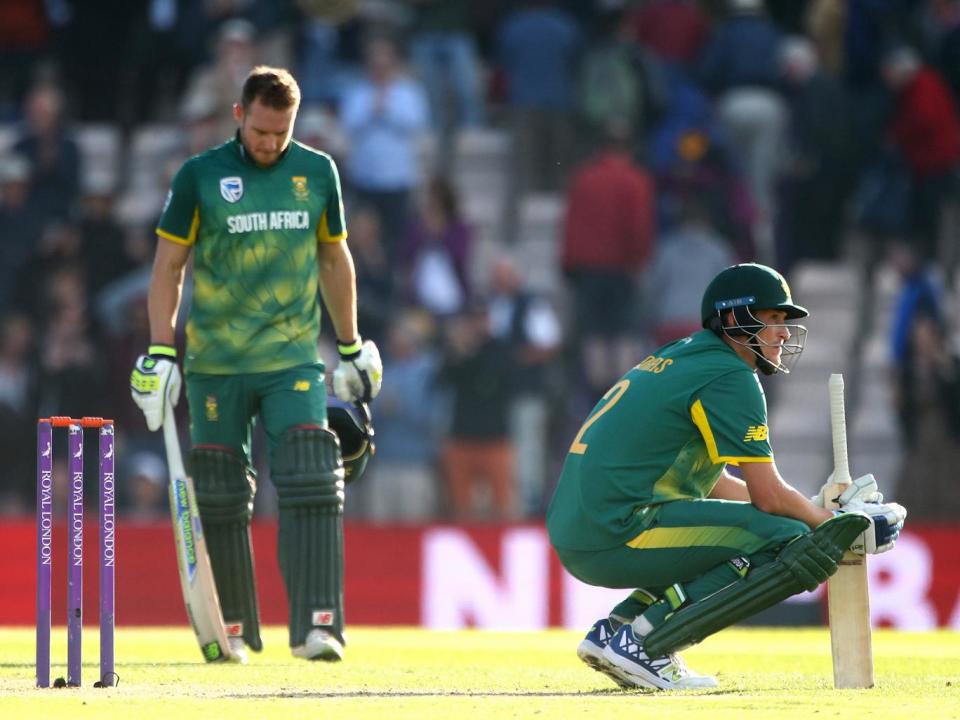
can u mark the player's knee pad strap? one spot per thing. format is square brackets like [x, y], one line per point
[225, 488]
[803, 564]
[307, 470]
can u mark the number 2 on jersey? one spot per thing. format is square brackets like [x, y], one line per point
[611, 397]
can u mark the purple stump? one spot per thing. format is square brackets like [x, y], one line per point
[107, 553]
[44, 547]
[75, 558]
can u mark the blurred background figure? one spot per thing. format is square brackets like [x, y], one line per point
[478, 455]
[607, 241]
[435, 253]
[18, 398]
[403, 484]
[375, 276]
[926, 391]
[217, 85]
[20, 221]
[926, 130]
[445, 56]
[527, 325]
[384, 115]
[54, 156]
[538, 47]
[739, 67]
[819, 170]
[687, 258]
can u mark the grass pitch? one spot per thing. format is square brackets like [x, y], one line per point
[412, 673]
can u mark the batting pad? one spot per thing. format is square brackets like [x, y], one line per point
[225, 488]
[308, 475]
[803, 564]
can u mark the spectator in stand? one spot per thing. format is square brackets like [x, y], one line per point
[384, 115]
[375, 276]
[435, 253]
[673, 30]
[526, 323]
[322, 68]
[403, 484]
[818, 177]
[217, 86]
[54, 156]
[18, 400]
[20, 222]
[687, 258]
[477, 454]
[927, 392]
[740, 67]
[538, 49]
[59, 246]
[607, 240]
[618, 79]
[445, 56]
[926, 130]
[103, 243]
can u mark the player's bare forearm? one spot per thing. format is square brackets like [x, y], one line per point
[166, 289]
[772, 494]
[338, 287]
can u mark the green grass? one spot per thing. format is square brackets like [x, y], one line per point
[411, 673]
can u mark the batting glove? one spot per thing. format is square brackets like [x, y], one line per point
[886, 522]
[359, 373]
[155, 379]
[864, 489]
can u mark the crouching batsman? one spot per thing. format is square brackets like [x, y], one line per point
[261, 217]
[645, 500]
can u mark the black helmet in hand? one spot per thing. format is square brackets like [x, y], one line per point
[353, 425]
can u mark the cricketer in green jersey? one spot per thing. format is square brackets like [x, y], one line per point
[645, 500]
[262, 218]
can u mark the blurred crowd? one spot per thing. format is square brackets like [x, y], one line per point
[679, 136]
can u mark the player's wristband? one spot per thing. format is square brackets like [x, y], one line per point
[160, 350]
[349, 350]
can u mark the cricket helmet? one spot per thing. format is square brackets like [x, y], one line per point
[743, 289]
[353, 425]
[748, 285]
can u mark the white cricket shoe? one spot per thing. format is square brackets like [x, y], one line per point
[319, 645]
[238, 650]
[630, 663]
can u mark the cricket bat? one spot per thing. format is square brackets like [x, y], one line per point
[196, 575]
[848, 595]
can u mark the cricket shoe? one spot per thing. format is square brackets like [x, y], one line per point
[630, 663]
[238, 650]
[590, 651]
[319, 645]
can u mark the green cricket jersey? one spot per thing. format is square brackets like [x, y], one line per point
[254, 233]
[663, 432]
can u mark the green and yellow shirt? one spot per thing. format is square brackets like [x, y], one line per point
[254, 233]
[663, 432]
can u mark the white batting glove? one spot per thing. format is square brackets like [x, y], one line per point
[863, 489]
[886, 522]
[154, 379]
[360, 372]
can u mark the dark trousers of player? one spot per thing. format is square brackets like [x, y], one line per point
[689, 550]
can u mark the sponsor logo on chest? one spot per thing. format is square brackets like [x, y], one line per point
[272, 220]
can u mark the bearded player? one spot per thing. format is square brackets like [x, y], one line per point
[645, 500]
[262, 217]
